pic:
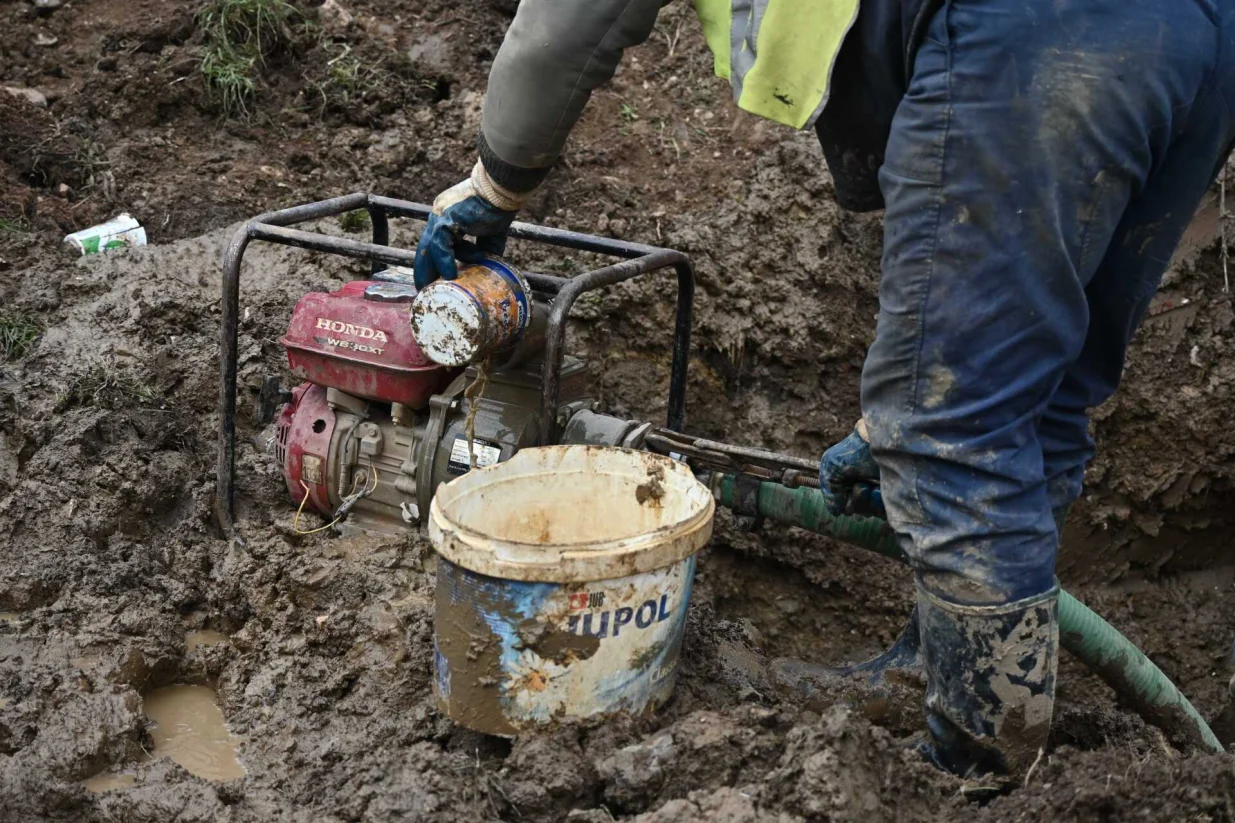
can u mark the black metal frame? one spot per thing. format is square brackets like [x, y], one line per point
[273, 227]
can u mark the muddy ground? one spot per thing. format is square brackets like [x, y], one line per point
[107, 433]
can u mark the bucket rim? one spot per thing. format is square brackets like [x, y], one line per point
[575, 562]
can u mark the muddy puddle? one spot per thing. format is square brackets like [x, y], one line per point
[110, 781]
[190, 729]
[202, 638]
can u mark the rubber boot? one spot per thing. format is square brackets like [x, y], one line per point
[990, 673]
[811, 680]
[886, 690]
[902, 659]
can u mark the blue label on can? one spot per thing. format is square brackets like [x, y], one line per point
[443, 671]
[614, 647]
[516, 286]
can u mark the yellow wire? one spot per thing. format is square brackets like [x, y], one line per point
[296, 519]
[305, 499]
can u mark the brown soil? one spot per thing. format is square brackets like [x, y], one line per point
[107, 432]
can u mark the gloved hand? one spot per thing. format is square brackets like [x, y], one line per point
[477, 207]
[849, 476]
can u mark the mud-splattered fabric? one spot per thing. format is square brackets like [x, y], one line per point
[1041, 170]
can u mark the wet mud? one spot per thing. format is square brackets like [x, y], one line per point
[114, 578]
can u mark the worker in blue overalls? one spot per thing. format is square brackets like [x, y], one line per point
[1038, 162]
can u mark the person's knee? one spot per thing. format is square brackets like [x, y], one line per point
[975, 522]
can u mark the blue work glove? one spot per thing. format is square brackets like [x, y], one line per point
[477, 207]
[849, 476]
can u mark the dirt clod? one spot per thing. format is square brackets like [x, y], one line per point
[652, 490]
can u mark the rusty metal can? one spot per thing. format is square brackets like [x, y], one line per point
[484, 310]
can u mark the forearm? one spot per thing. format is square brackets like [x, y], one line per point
[555, 53]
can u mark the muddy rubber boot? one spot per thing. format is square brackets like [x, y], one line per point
[812, 680]
[990, 673]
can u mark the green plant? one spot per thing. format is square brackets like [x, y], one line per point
[348, 78]
[239, 35]
[12, 226]
[108, 386]
[629, 113]
[229, 77]
[354, 221]
[349, 74]
[18, 333]
[567, 265]
[257, 25]
[344, 70]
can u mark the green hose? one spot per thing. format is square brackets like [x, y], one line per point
[1132, 675]
[1098, 644]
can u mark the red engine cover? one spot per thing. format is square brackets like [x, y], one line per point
[362, 346]
[302, 446]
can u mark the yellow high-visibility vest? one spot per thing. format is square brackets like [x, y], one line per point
[777, 54]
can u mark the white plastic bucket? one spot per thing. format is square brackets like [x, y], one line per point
[563, 582]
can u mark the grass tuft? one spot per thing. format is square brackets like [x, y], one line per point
[567, 265]
[239, 36]
[18, 334]
[229, 77]
[349, 79]
[345, 72]
[353, 222]
[107, 386]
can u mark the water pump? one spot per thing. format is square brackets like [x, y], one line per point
[376, 425]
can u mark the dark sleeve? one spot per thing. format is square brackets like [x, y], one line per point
[870, 77]
[555, 53]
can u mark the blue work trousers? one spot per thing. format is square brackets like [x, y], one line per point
[1040, 172]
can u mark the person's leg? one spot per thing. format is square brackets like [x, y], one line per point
[1026, 132]
[1119, 293]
